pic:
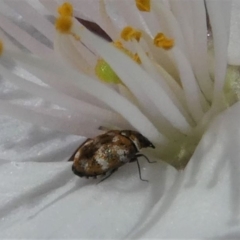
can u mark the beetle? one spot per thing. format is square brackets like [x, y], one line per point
[107, 152]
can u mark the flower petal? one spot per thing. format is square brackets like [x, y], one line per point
[180, 205]
[234, 41]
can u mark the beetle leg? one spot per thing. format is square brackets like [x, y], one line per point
[139, 171]
[114, 170]
[141, 155]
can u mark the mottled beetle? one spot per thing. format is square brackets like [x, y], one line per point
[105, 153]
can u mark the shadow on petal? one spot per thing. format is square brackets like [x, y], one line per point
[37, 194]
[161, 200]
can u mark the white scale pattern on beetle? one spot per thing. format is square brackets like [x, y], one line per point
[100, 160]
[86, 165]
[115, 139]
[77, 155]
[103, 163]
[121, 153]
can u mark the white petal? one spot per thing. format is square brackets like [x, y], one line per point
[44, 200]
[234, 41]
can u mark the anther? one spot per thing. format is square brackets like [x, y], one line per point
[66, 10]
[1, 47]
[162, 41]
[129, 33]
[143, 5]
[64, 24]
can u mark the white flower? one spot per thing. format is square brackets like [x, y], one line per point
[40, 196]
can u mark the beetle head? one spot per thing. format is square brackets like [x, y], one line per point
[138, 139]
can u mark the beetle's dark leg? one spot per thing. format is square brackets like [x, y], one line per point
[139, 171]
[141, 155]
[114, 170]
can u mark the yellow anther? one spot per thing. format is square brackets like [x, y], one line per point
[162, 41]
[143, 5]
[1, 47]
[129, 33]
[136, 58]
[137, 35]
[66, 10]
[118, 44]
[64, 24]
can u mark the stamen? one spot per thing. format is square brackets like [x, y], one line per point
[120, 46]
[105, 73]
[66, 10]
[129, 33]
[64, 24]
[143, 5]
[162, 41]
[77, 38]
[136, 58]
[1, 47]
[135, 78]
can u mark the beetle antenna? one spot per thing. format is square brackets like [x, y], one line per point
[139, 171]
[142, 155]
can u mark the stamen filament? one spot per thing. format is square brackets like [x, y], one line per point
[190, 86]
[120, 104]
[75, 106]
[59, 123]
[150, 68]
[162, 57]
[136, 78]
[193, 20]
[169, 24]
[64, 46]
[219, 13]
[32, 16]
[25, 39]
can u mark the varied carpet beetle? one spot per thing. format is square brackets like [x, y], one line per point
[105, 153]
